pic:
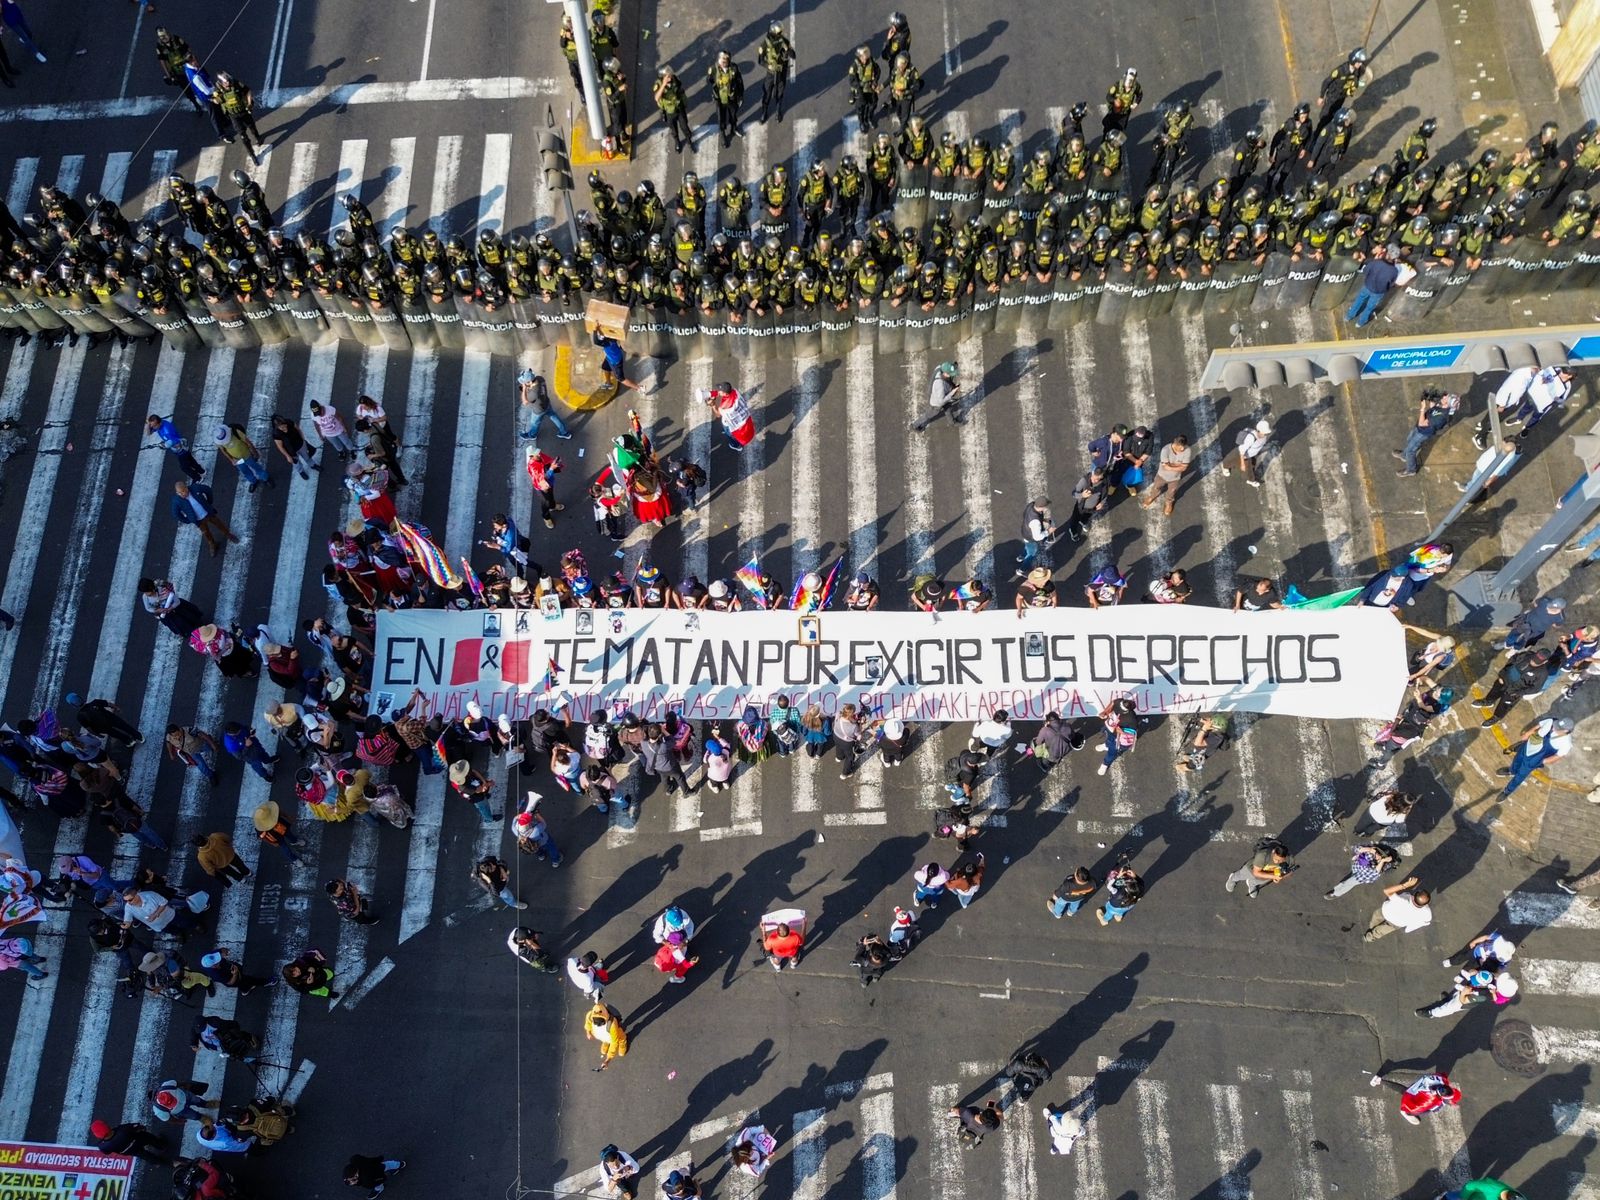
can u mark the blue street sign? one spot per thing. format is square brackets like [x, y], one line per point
[1394, 359]
[1586, 347]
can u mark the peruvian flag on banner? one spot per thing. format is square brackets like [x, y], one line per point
[467, 666]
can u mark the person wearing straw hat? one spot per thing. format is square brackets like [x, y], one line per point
[473, 786]
[285, 719]
[235, 445]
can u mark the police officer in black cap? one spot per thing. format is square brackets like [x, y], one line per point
[674, 106]
[726, 84]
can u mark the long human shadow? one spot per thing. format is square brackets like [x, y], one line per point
[1557, 1175]
[719, 1085]
[632, 886]
[763, 885]
[892, 859]
[701, 905]
[1233, 1182]
[1134, 1058]
[1079, 1024]
[1185, 825]
[1505, 1134]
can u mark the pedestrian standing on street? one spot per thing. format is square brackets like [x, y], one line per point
[1037, 532]
[1525, 675]
[241, 743]
[1173, 464]
[943, 393]
[1429, 1092]
[494, 877]
[734, 412]
[364, 1171]
[1434, 415]
[674, 106]
[1124, 889]
[235, 101]
[1505, 400]
[533, 832]
[660, 761]
[612, 358]
[1377, 279]
[505, 538]
[872, 958]
[349, 902]
[274, 831]
[1089, 497]
[193, 504]
[193, 748]
[776, 55]
[310, 975]
[588, 974]
[726, 85]
[1544, 741]
[620, 1172]
[1064, 1127]
[1247, 450]
[976, 1122]
[1387, 812]
[331, 429]
[1406, 908]
[1268, 865]
[603, 1026]
[292, 444]
[1069, 896]
[542, 469]
[204, 89]
[966, 878]
[1367, 862]
[929, 885]
[534, 395]
[170, 437]
[174, 1101]
[1120, 720]
[130, 1138]
[235, 445]
[1106, 587]
[224, 972]
[383, 440]
[1550, 389]
[11, 13]
[103, 719]
[1532, 624]
[218, 858]
[782, 945]
[473, 786]
[161, 601]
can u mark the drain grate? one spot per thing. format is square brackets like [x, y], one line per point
[1514, 1046]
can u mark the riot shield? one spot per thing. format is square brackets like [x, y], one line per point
[1340, 274]
[1273, 276]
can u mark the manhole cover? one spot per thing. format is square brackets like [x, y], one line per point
[1514, 1047]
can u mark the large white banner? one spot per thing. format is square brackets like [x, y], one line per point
[1348, 662]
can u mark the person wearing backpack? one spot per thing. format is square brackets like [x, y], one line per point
[1248, 447]
[784, 722]
[1367, 861]
[1268, 865]
[1052, 743]
[1028, 1072]
[961, 774]
[955, 822]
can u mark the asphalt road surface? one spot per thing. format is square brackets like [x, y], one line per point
[1218, 1045]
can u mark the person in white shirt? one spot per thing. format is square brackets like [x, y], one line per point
[587, 973]
[1506, 397]
[1248, 448]
[990, 735]
[1065, 1129]
[1549, 389]
[1406, 908]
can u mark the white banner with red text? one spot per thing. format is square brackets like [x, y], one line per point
[951, 667]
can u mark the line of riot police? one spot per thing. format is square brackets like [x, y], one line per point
[1041, 243]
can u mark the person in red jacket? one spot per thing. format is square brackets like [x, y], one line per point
[1428, 1093]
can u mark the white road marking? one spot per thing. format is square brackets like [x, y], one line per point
[494, 181]
[370, 980]
[1552, 910]
[1560, 978]
[1151, 1097]
[1377, 1144]
[352, 169]
[302, 171]
[808, 1155]
[1227, 1114]
[395, 198]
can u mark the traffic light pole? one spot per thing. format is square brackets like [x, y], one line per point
[586, 69]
